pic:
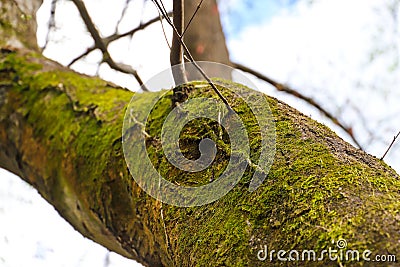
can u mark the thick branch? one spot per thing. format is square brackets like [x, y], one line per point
[18, 23]
[176, 54]
[319, 188]
[284, 88]
[204, 35]
[188, 53]
[61, 132]
[72, 153]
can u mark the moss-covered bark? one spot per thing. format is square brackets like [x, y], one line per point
[61, 132]
[18, 23]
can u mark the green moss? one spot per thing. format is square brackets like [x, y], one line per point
[318, 190]
[75, 117]
[301, 205]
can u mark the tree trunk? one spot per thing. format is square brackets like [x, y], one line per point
[176, 55]
[61, 132]
[204, 37]
[18, 23]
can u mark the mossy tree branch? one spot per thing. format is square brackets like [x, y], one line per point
[284, 88]
[61, 132]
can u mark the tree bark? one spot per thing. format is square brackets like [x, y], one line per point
[204, 36]
[61, 132]
[18, 23]
[176, 55]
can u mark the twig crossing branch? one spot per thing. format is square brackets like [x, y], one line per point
[391, 145]
[159, 4]
[176, 54]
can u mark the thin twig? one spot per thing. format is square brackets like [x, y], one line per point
[122, 15]
[191, 59]
[52, 23]
[163, 222]
[163, 7]
[115, 37]
[87, 52]
[100, 44]
[191, 19]
[163, 29]
[369, 137]
[309, 100]
[391, 144]
[142, 26]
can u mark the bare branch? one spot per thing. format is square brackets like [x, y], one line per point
[115, 37]
[87, 52]
[90, 25]
[142, 26]
[391, 145]
[123, 68]
[122, 14]
[51, 24]
[100, 44]
[309, 100]
[189, 55]
[163, 29]
[176, 47]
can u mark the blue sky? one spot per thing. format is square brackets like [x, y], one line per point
[236, 17]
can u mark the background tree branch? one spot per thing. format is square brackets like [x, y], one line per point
[176, 54]
[100, 44]
[116, 36]
[284, 88]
